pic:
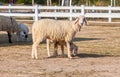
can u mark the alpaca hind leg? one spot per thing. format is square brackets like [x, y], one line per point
[62, 49]
[48, 47]
[55, 49]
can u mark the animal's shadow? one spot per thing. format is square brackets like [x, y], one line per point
[77, 39]
[81, 55]
[4, 40]
[86, 39]
[86, 55]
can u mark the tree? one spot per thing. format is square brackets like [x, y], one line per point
[33, 2]
[74, 2]
[49, 2]
[24, 1]
[41, 2]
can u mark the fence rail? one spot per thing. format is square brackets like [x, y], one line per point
[61, 11]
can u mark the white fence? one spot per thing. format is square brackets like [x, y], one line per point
[61, 11]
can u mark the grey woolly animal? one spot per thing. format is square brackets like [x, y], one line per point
[8, 24]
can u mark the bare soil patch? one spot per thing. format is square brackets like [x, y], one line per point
[99, 55]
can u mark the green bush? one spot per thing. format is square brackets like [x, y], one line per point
[4, 1]
[24, 1]
[42, 2]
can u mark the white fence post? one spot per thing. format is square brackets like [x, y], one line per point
[110, 11]
[55, 12]
[70, 13]
[83, 10]
[9, 10]
[36, 12]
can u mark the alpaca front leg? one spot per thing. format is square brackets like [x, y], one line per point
[34, 48]
[34, 52]
[68, 49]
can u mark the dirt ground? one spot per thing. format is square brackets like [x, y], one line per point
[99, 55]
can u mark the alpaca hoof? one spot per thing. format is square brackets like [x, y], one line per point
[49, 56]
[34, 57]
[70, 57]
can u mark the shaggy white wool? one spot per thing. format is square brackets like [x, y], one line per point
[55, 30]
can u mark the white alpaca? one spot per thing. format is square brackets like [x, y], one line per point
[23, 34]
[55, 30]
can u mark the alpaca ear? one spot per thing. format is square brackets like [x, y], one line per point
[76, 20]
